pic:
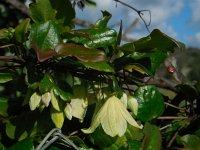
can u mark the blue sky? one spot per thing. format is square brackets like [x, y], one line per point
[179, 19]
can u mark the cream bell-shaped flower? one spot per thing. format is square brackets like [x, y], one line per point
[113, 117]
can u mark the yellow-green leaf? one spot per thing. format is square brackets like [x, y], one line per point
[34, 101]
[46, 99]
[54, 101]
[57, 118]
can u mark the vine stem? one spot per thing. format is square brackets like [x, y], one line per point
[171, 118]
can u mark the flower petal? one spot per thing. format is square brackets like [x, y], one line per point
[113, 123]
[97, 119]
[133, 104]
[128, 117]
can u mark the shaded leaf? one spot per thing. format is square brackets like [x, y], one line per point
[64, 95]
[6, 77]
[190, 142]
[156, 58]
[64, 11]
[42, 11]
[119, 35]
[80, 52]
[45, 84]
[26, 144]
[21, 30]
[100, 66]
[150, 42]
[152, 140]
[3, 106]
[150, 102]
[127, 48]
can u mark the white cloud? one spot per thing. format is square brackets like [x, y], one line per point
[193, 40]
[195, 6]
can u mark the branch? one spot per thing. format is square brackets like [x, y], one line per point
[139, 12]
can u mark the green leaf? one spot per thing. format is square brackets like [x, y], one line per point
[6, 34]
[134, 145]
[64, 95]
[3, 106]
[116, 87]
[156, 58]
[57, 118]
[42, 11]
[64, 10]
[150, 103]
[191, 142]
[152, 140]
[150, 42]
[98, 37]
[80, 52]
[44, 37]
[46, 84]
[102, 23]
[21, 30]
[21, 126]
[100, 66]
[26, 144]
[127, 48]
[119, 35]
[5, 77]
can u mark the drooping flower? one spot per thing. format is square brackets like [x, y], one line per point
[113, 117]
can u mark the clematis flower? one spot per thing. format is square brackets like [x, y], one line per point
[113, 117]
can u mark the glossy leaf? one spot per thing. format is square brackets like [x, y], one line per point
[80, 52]
[21, 30]
[150, 43]
[102, 23]
[150, 103]
[98, 37]
[44, 37]
[100, 66]
[3, 106]
[57, 118]
[6, 77]
[42, 11]
[152, 140]
[26, 144]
